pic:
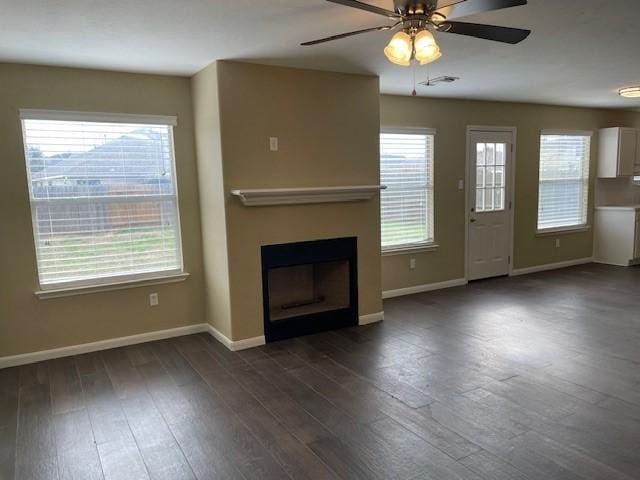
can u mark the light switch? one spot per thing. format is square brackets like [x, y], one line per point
[273, 144]
[412, 264]
[460, 184]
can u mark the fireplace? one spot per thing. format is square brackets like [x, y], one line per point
[309, 287]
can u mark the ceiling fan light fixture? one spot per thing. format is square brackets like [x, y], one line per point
[630, 92]
[426, 48]
[430, 59]
[400, 49]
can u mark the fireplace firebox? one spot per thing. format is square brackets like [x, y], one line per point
[309, 287]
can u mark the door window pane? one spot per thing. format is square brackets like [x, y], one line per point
[499, 177]
[488, 199]
[480, 176]
[479, 200]
[499, 199]
[490, 176]
[500, 157]
[480, 154]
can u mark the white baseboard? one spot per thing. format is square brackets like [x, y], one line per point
[427, 287]
[630, 263]
[34, 357]
[551, 266]
[247, 343]
[40, 356]
[371, 318]
[236, 345]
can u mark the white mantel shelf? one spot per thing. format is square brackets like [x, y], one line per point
[293, 196]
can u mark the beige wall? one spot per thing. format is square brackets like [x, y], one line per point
[206, 110]
[328, 126]
[28, 324]
[450, 118]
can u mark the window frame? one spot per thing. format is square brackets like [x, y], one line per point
[573, 228]
[409, 247]
[57, 289]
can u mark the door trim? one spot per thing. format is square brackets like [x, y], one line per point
[512, 189]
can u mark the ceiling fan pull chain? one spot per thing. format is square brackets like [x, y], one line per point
[413, 92]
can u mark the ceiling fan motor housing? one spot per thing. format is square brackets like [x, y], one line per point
[418, 15]
[415, 7]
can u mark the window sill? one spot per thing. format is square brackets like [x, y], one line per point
[563, 230]
[70, 291]
[428, 247]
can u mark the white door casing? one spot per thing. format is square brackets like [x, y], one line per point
[489, 228]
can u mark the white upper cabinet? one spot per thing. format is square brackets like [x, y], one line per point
[619, 152]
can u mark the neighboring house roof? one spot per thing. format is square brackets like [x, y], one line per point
[134, 155]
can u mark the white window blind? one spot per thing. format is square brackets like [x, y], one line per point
[564, 180]
[406, 169]
[103, 199]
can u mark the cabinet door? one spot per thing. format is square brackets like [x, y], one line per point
[627, 152]
[637, 245]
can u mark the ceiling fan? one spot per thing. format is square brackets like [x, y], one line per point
[417, 18]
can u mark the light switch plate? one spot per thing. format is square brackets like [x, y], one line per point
[153, 299]
[273, 144]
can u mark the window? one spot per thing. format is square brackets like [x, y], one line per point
[564, 180]
[103, 197]
[490, 176]
[406, 169]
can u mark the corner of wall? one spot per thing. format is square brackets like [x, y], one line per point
[206, 110]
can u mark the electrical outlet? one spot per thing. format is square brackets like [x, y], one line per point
[412, 264]
[460, 184]
[153, 299]
[557, 243]
[273, 144]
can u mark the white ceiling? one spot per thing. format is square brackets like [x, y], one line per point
[580, 51]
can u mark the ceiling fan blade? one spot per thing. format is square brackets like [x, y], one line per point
[486, 32]
[366, 7]
[463, 8]
[350, 34]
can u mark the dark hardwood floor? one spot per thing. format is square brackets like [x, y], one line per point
[532, 377]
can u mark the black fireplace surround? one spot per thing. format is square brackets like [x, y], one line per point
[309, 287]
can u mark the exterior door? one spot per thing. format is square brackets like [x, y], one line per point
[489, 229]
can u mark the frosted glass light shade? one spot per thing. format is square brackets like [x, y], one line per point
[399, 49]
[427, 50]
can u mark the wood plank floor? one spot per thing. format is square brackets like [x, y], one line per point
[531, 377]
